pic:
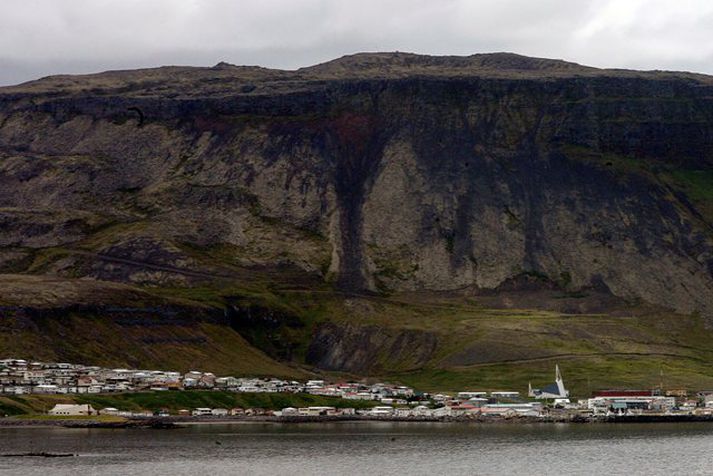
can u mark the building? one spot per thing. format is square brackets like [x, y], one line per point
[554, 390]
[62, 409]
[468, 395]
[629, 401]
[511, 409]
[316, 411]
[381, 411]
[505, 394]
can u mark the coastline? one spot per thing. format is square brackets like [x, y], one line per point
[179, 422]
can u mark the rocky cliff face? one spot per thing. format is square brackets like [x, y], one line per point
[379, 173]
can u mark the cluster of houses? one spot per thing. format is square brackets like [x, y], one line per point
[19, 377]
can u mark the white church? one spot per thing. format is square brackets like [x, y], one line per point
[554, 390]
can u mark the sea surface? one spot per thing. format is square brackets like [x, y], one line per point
[368, 448]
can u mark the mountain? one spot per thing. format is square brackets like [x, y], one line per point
[379, 214]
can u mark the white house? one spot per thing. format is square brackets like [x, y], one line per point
[381, 411]
[506, 394]
[468, 395]
[316, 411]
[62, 409]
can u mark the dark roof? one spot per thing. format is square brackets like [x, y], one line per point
[551, 389]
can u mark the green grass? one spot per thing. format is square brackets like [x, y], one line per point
[10, 409]
[175, 400]
[502, 349]
[698, 184]
[582, 375]
[98, 418]
[30, 406]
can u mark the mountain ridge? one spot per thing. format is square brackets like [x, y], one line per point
[365, 65]
[552, 187]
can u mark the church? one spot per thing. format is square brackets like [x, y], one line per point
[554, 390]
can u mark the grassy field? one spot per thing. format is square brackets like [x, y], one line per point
[173, 401]
[482, 348]
[100, 341]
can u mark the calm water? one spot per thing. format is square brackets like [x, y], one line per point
[366, 448]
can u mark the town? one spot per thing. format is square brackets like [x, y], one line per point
[20, 377]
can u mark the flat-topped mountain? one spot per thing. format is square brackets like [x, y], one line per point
[227, 79]
[497, 177]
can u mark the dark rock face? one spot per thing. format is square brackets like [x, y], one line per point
[362, 350]
[380, 173]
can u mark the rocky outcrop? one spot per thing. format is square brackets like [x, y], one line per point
[369, 349]
[378, 172]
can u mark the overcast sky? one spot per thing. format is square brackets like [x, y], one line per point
[42, 37]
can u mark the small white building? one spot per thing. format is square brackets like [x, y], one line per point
[505, 394]
[316, 411]
[45, 388]
[708, 399]
[471, 394]
[62, 409]
[381, 411]
[507, 409]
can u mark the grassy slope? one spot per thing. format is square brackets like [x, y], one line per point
[98, 341]
[174, 401]
[504, 349]
[478, 347]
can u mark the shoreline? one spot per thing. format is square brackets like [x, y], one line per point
[182, 422]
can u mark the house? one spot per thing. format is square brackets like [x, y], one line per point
[62, 409]
[441, 412]
[498, 412]
[219, 412]
[381, 411]
[468, 395]
[626, 401]
[505, 394]
[46, 388]
[464, 408]
[202, 412]
[709, 401]
[316, 411]
[421, 410]
[512, 409]
[477, 402]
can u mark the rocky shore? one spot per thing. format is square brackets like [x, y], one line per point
[178, 422]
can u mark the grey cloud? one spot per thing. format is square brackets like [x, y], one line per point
[42, 37]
